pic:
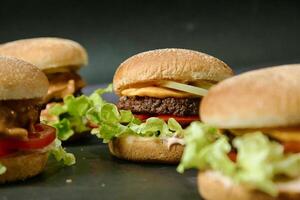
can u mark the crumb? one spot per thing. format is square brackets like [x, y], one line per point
[103, 185]
[81, 149]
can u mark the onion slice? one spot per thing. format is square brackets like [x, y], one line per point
[185, 88]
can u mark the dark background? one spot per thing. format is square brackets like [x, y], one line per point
[245, 34]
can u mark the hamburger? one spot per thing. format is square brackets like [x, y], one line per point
[162, 88]
[60, 59]
[249, 146]
[25, 143]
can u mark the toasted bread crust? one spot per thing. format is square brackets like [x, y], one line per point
[49, 54]
[180, 65]
[23, 166]
[151, 150]
[21, 80]
[213, 186]
[262, 98]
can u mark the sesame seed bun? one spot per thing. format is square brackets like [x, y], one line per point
[49, 54]
[179, 65]
[262, 98]
[21, 80]
[139, 149]
[214, 186]
[23, 166]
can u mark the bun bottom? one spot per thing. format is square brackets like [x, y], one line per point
[22, 166]
[214, 186]
[140, 149]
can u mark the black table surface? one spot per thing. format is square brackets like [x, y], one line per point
[98, 175]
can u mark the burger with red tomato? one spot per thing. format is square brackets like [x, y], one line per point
[163, 89]
[25, 143]
[249, 146]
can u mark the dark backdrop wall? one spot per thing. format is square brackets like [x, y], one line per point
[245, 34]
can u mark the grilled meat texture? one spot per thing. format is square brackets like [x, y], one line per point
[18, 116]
[156, 106]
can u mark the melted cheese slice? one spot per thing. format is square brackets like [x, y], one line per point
[282, 134]
[286, 135]
[157, 92]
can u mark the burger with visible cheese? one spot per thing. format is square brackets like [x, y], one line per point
[24, 142]
[163, 89]
[249, 146]
[59, 59]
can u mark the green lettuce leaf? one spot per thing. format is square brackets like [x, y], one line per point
[60, 154]
[200, 140]
[174, 125]
[126, 117]
[64, 129]
[72, 113]
[153, 127]
[259, 160]
[2, 169]
[76, 113]
[58, 109]
[77, 106]
[113, 123]
[96, 96]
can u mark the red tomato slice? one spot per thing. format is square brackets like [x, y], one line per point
[180, 119]
[42, 136]
[232, 155]
[142, 117]
[291, 147]
[4, 152]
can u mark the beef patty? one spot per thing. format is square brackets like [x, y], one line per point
[18, 116]
[166, 106]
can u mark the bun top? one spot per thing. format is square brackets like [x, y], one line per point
[21, 80]
[49, 54]
[179, 65]
[262, 98]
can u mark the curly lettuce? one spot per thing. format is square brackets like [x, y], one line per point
[113, 123]
[71, 114]
[205, 148]
[76, 114]
[259, 160]
[61, 155]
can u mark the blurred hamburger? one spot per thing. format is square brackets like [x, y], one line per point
[165, 84]
[24, 142]
[58, 58]
[257, 154]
